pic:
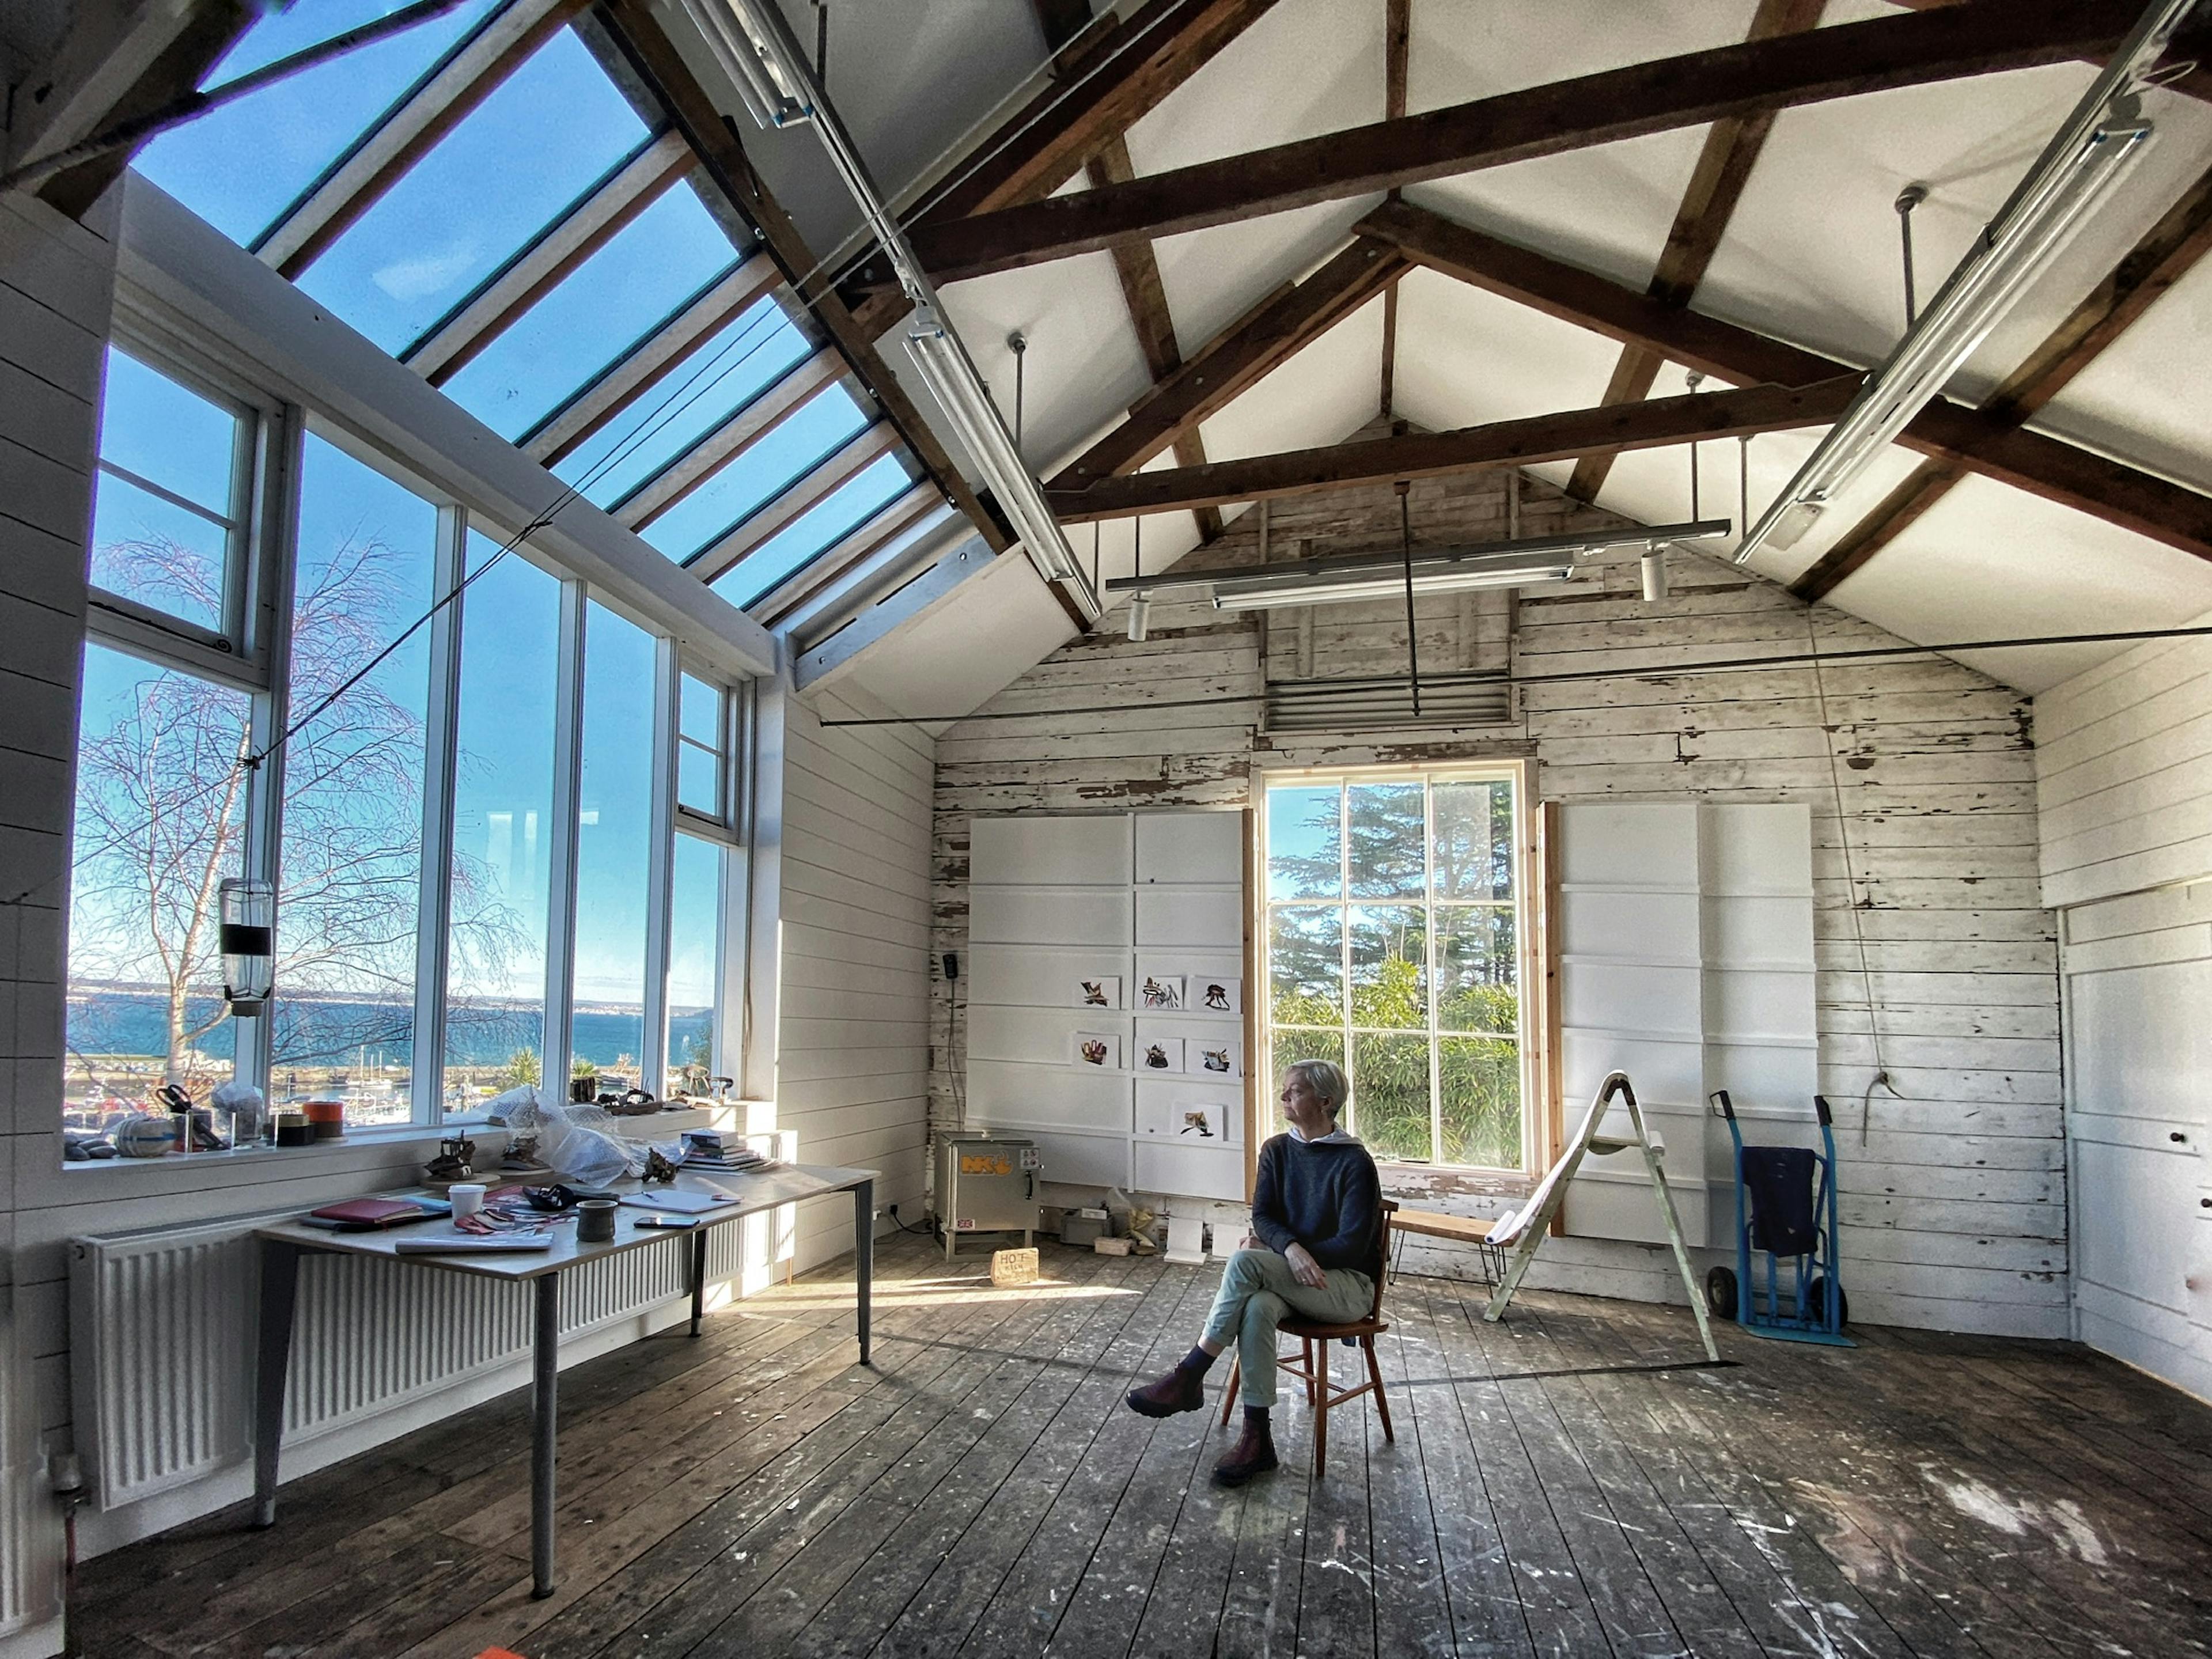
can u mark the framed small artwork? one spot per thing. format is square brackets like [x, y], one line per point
[1098, 993]
[1217, 1057]
[1216, 996]
[1102, 1049]
[1160, 1053]
[1162, 991]
[1203, 1122]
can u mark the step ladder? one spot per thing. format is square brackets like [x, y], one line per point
[1526, 1228]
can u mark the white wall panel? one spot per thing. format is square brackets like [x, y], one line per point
[1051, 915]
[1189, 847]
[1062, 852]
[1042, 976]
[1168, 916]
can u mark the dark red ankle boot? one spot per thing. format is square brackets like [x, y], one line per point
[1181, 1390]
[1253, 1454]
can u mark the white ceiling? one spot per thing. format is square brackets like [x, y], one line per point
[1811, 256]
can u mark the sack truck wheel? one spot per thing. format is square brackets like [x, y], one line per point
[1720, 1292]
[1817, 1294]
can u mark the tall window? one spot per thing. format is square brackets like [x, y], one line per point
[1392, 947]
[614, 848]
[500, 870]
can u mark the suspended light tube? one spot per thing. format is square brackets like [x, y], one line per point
[2087, 158]
[756, 46]
[1350, 577]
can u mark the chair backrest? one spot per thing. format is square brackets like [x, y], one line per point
[1375, 1308]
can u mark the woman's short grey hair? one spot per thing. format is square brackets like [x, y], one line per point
[1326, 1079]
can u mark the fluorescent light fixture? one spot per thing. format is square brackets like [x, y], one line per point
[1349, 577]
[1460, 577]
[734, 37]
[755, 43]
[2084, 160]
[959, 391]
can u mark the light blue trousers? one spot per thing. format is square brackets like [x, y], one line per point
[1257, 1293]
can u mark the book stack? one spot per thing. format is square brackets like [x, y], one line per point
[709, 1149]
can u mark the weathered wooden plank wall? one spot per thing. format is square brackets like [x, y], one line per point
[1953, 1186]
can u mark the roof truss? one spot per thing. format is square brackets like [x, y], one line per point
[1976, 36]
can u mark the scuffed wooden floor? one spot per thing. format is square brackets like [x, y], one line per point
[983, 1492]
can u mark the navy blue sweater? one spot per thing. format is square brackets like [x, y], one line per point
[1323, 1194]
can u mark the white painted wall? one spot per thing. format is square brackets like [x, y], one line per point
[57, 289]
[2125, 789]
[853, 1015]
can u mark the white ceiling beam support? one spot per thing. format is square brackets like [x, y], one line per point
[779, 515]
[110, 46]
[573, 424]
[408, 131]
[814, 663]
[184, 276]
[797, 387]
[480, 319]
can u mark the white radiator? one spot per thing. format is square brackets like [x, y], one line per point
[27, 1590]
[163, 1337]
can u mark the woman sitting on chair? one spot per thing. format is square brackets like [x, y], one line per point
[1316, 1215]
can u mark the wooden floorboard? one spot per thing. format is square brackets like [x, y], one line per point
[981, 1491]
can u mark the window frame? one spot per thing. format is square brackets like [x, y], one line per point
[252, 655]
[1530, 1037]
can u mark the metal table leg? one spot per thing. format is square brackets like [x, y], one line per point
[280, 1286]
[698, 1277]
[864, 1255]
[544, 1433]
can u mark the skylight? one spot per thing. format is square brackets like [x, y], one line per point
[808, 437]
[622, 293]
[849, 506]
[543, 139]
[242, 166]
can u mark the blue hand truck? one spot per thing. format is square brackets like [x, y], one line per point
[1786, 1207]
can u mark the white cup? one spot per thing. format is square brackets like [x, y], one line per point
[468, 1197]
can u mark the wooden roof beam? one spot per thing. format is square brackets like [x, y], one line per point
[1978, 37]
[1651, 424]
[2057, 471]
[438, 103]
[1724, 164]
[1264, 338]
[2166, 253]
[2196, 81]
[633, 186]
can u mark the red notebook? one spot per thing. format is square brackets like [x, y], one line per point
[365, 1213]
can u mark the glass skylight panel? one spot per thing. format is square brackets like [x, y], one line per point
[622, 293]
[242, 166]
[546, 137]
[808, 435]
[704, 389]
[791, 551]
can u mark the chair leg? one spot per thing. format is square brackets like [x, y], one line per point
[1306, 1359]
[1375, 1376]
[1229, 1394]
[1321, 1409]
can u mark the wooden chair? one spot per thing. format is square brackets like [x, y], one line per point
[1310, 1362]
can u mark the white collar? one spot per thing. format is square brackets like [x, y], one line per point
[1334, 1138]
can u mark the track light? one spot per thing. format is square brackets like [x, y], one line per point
[1655, 575]
[755, 43]
[1430, 576]
[749, 57]
[1140, 611]
[2087, 156]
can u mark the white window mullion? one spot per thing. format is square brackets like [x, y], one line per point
[561, 853]
[1430, 919]
[1343, 931]
[661, 860]
[435, 908]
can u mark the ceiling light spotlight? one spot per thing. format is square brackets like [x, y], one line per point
[1655, 575]
[1141, 611]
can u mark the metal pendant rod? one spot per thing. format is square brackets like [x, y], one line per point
[1412, 636]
